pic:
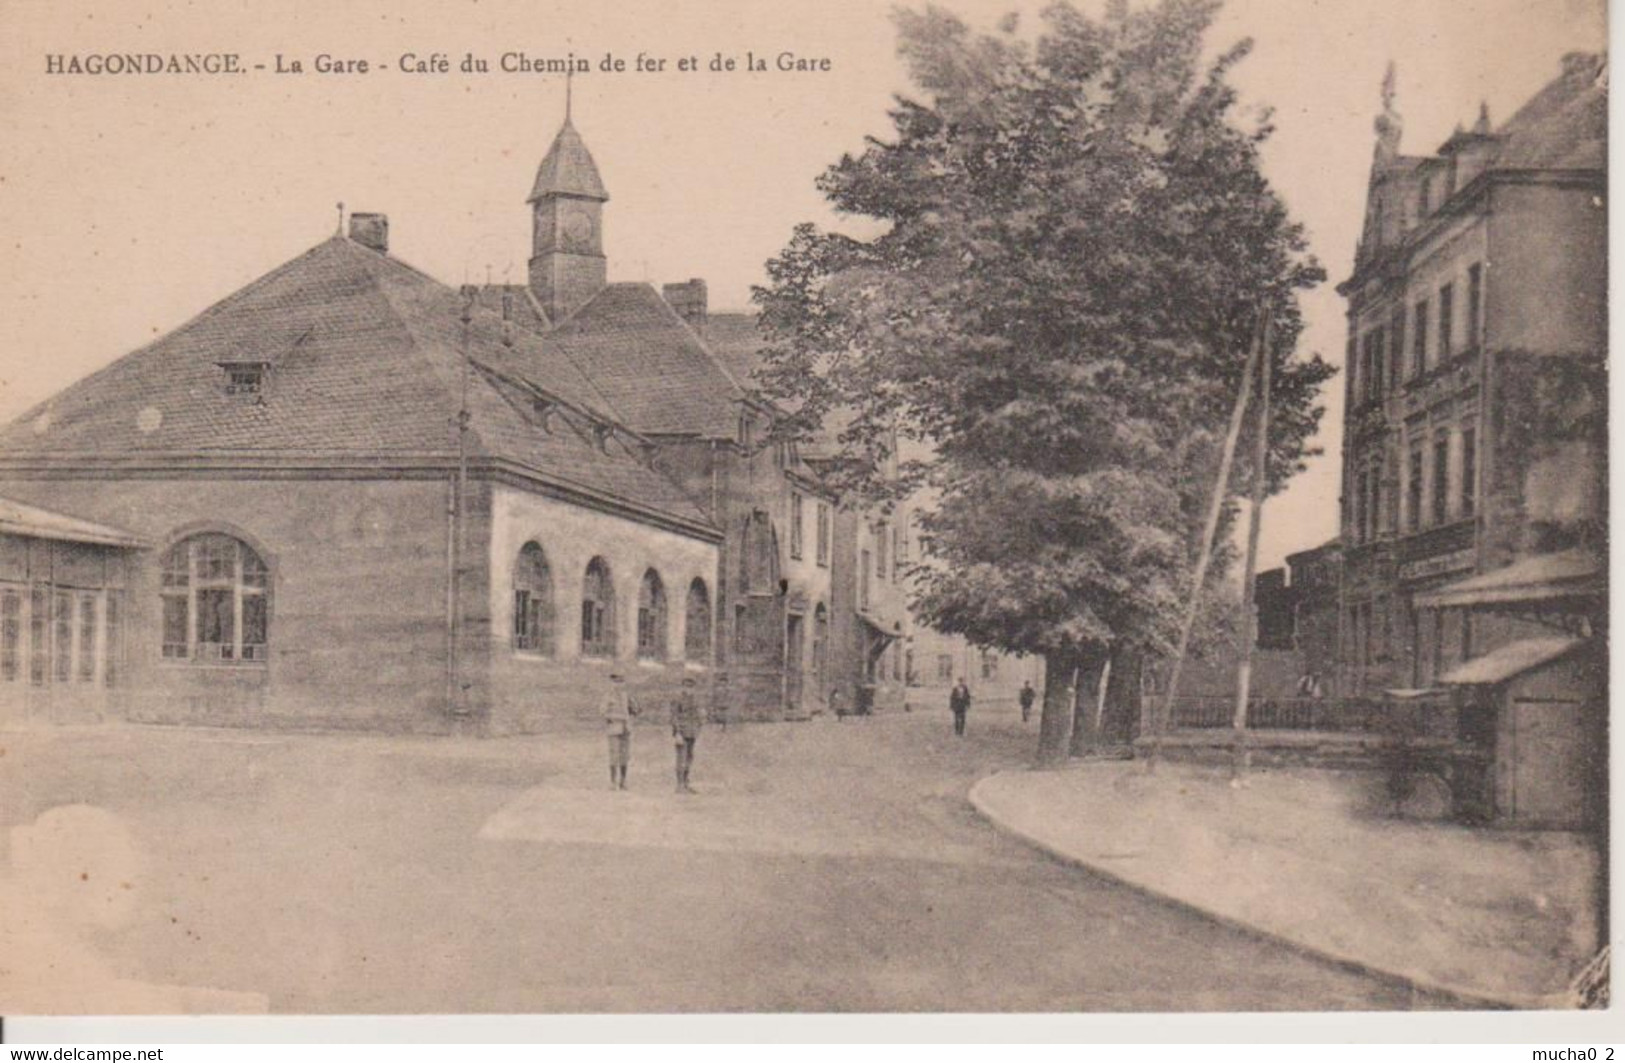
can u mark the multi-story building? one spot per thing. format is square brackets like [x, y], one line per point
[1477, 299]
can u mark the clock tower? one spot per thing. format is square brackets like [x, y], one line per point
[567, 240]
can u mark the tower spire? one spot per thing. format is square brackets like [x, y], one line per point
[569, 77]
[1389, 125]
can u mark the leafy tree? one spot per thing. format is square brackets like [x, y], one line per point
[1076, 248]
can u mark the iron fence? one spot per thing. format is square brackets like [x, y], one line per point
[1200, 712]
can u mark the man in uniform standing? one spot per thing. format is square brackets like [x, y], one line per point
[1027, 697]
[959, 704]
[685, 730]
[618, 709]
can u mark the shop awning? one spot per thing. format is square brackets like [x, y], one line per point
[1509, 661]
[17, 518]
[1571, 574]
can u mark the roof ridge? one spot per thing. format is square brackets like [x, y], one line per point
[744, 393]
[216, 307]
[609, 410]
[454, 388]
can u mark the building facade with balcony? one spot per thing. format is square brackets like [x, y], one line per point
[1476, 308]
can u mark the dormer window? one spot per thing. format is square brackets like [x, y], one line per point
[245, 378]
[601, 434]
[543, 410]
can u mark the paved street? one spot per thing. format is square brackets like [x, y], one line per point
[823, 866]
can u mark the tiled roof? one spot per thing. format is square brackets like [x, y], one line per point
[568, 168]
[19, 518]
[1565, 124]
[737, 343]
[654, 370]
[365, 357]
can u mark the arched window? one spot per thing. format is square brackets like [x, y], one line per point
[598, 611]
[652, 617]
[532, 602]
[697, 623]
[216, 601]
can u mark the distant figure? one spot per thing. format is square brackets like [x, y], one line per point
[618, 709]
[1027, 696]
[1309, 686]
[685, 730]
[837, 704]
[959, 704]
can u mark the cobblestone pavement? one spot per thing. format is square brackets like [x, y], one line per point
[822, 866]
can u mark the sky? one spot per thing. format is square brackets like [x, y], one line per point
[130, 204]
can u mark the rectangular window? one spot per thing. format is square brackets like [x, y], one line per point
[1447, 310]
[1419, 339]
[1441, 478]
[1466, 634]
[1396, 345]
[945, 667]
[823, 533]
[899, 550]
[39, 635]
[1351, 366]
[1475, 300]
[245, 379]
[1379, 358]
[1374, 510]
[87, 638]
[1469, 471]
[62, 651]
[1413, 516]
[864, 568]
[795, 525]
[11, 634]
[114, 664]
[1437, 653]
[880, 551]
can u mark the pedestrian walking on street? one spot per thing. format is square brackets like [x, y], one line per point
[685, 731]
[959, 704]
[618, 709]
[1027, 697]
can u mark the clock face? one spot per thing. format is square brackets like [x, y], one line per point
[578, 225]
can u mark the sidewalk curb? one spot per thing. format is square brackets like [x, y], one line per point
[1468, 999]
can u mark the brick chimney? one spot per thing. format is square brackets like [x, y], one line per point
[371, 230]
[688, 299]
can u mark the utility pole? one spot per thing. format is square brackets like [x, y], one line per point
[1249, 605]
[1210, 527]
[456, 547]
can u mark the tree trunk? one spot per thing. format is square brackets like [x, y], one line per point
[1120, 723]
[1055, 723]
[1085, 729]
